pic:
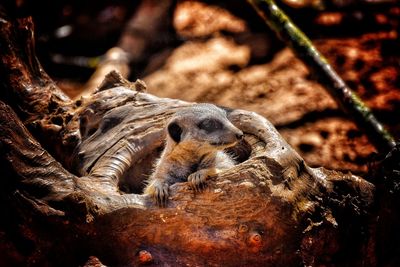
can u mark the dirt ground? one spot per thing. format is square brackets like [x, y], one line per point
[223, 59]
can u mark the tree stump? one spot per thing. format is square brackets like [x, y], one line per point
[78, 191]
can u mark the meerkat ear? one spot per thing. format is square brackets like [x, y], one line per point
[175, 131]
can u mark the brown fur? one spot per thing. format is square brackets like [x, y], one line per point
[191, 153]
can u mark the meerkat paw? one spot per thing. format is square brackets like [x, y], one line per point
[159, 190]
[198, 179]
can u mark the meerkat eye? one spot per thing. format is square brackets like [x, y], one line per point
[210, 125]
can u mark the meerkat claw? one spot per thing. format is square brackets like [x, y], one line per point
[197, 180]
[161, 194]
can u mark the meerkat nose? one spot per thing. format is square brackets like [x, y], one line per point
[239, 136]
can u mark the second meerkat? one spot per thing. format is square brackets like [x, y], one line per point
[195, 139]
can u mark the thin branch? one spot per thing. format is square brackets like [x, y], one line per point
[348, 100]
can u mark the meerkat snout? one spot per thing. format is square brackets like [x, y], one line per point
[239, 136]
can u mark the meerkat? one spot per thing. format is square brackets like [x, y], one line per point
[195, 139]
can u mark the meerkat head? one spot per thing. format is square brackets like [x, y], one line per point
[205, 124]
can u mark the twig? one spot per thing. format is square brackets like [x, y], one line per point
[348, 100]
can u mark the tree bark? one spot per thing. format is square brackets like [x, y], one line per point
[78, 192]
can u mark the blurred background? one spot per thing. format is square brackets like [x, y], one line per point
[222, 52]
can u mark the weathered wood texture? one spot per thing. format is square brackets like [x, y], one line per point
[269, 210]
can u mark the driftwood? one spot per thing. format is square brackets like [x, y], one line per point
[77, 193]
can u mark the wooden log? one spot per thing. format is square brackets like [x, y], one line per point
[271, 209]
